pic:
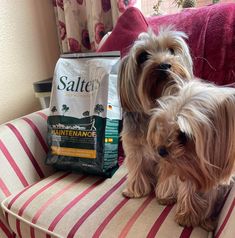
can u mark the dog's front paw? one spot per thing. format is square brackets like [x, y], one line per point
[166, 201]
[128, 194]
[209, 225]
[187, 220]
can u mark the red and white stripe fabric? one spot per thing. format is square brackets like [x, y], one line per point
[226, 223]
[72, 205]
[5, 230]
[22, 154]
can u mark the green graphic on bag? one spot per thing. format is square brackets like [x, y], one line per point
[84, 124]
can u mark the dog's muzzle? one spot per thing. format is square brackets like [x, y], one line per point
[162, 70]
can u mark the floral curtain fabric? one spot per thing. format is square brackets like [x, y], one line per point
[83, 23]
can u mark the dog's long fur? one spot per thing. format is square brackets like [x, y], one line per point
[149, 71]
[194, 133]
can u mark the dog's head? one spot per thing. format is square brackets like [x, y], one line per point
[154, 63]
[194, 133]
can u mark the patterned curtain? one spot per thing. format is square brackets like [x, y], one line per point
[83, 23]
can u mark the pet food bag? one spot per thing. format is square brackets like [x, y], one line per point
[84, 124]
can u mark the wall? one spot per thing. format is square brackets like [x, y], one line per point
[28, 53]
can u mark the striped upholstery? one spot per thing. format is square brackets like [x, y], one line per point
[5, 230]
[72, 205]
[39, 203]
[226, 221]
[22, 154]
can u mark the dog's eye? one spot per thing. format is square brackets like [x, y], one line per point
[182, 138]
[172, 52]
[142, 57]
[162, 151]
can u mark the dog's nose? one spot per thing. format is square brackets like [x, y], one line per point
[162, 151]
[164, 66]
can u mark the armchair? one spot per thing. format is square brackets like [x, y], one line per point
[39, 202]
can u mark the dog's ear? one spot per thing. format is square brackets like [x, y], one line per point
[155, 128]
[124, 76]
[186, 56]
[222, 154]
[152, 131]
[127, 85]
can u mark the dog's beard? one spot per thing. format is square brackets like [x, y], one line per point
[155, 83]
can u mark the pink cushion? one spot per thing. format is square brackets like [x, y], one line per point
[127, 29]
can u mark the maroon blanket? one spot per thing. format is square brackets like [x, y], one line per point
[211, 32]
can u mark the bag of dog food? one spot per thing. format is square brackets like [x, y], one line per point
[84, 124]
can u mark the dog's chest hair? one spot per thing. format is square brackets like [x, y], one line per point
[135, 124]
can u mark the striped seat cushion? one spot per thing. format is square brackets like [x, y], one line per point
[73, 205]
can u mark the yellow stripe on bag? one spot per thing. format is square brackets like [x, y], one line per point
[73, 152]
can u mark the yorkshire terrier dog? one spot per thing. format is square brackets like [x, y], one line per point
[149, 71]
[193, 134]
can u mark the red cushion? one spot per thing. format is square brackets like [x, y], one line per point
[127, 29]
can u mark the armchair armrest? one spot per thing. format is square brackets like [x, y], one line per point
[23, 150]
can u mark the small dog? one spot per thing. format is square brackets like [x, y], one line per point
[149, 71]
[193, 134]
